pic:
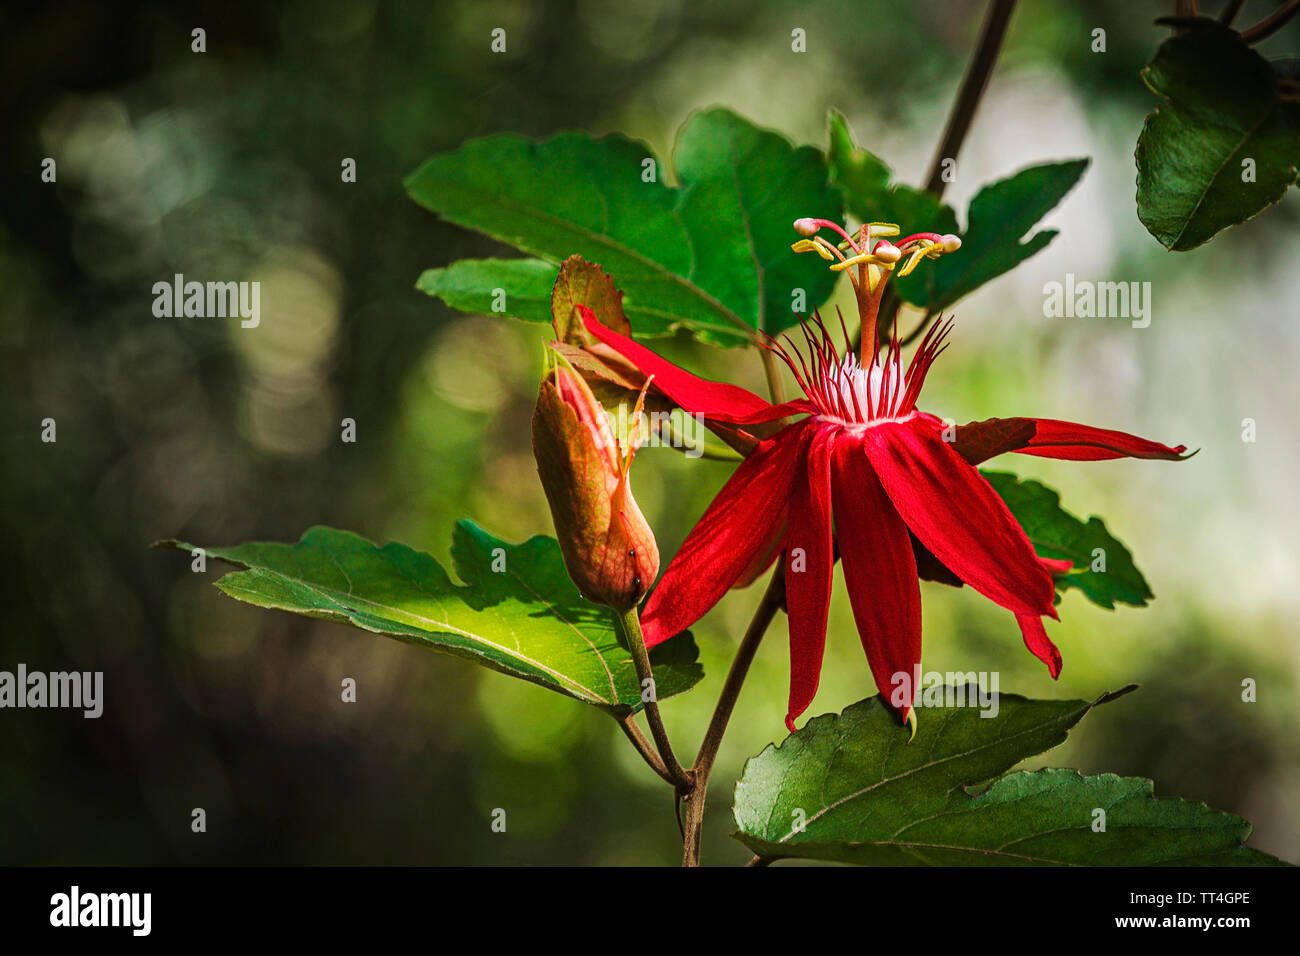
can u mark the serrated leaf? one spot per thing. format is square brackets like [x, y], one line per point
[711, 255]
[851, 788]
[1222, 106]
[999, 234]
[870, 194]
[471, 285]
[1055, 533]
[1000, 217]
[585, 283]
[527, 621]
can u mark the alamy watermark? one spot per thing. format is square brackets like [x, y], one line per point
[1086, 299]
[935, 689]
[213, 300]
[78, 690]
[675, 429]
[128, 910]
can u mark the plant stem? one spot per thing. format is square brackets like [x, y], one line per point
[695, 795]
[774, 386]
[771, 602]
[972, 88]
[1230, 12]
[1271, 23]
[918, 331]
[960, 117]
[628, 723]
[630, 623]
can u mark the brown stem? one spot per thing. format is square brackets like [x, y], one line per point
[773, 374]
[772, 600]
[917, 332]
[630, 624]
[759, 861]
[889, 306]
[973, 84]
[628, 723]
[1272, 23]
[972, 88]
[1230, 12]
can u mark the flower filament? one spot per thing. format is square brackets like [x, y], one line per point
[871, 259]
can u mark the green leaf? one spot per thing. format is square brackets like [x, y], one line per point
[859, 172]
[999, 218]
[471, 285]
[870, 195]
[527, 620]
[999, 234]
[1221, 107]
[712, 255]
[851, 788]
[1055, 533]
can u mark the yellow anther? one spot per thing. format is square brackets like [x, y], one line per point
[916, 257]
[883, 228]
[855, 260]
[811, 245]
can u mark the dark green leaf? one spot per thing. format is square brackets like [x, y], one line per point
[851, 788]
[471, 285]
[712, 255]
[1056, 533]
[859, 172]
[870, 195]
[999, 218]
[1221, 108]
[999, 234]
[526, 620]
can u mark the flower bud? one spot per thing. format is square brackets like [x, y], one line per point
[608, 548]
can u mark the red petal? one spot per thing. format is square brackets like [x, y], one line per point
[880, 571]
[809, 562]
[1049, 438]
[1056, 565]
[734, 530]
[980, 441]
[716, 400]
[1036, 639]
[1055, 439]
[958, 516]
[766, 556]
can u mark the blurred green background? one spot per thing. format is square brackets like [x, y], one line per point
[225, 165]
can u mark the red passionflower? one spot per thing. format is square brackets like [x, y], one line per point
[866, 457]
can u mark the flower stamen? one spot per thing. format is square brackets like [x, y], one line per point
[869, 265]
[851, 392]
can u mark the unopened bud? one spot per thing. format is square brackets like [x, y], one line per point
[806, 227]
[608, 548]
[950, 242]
